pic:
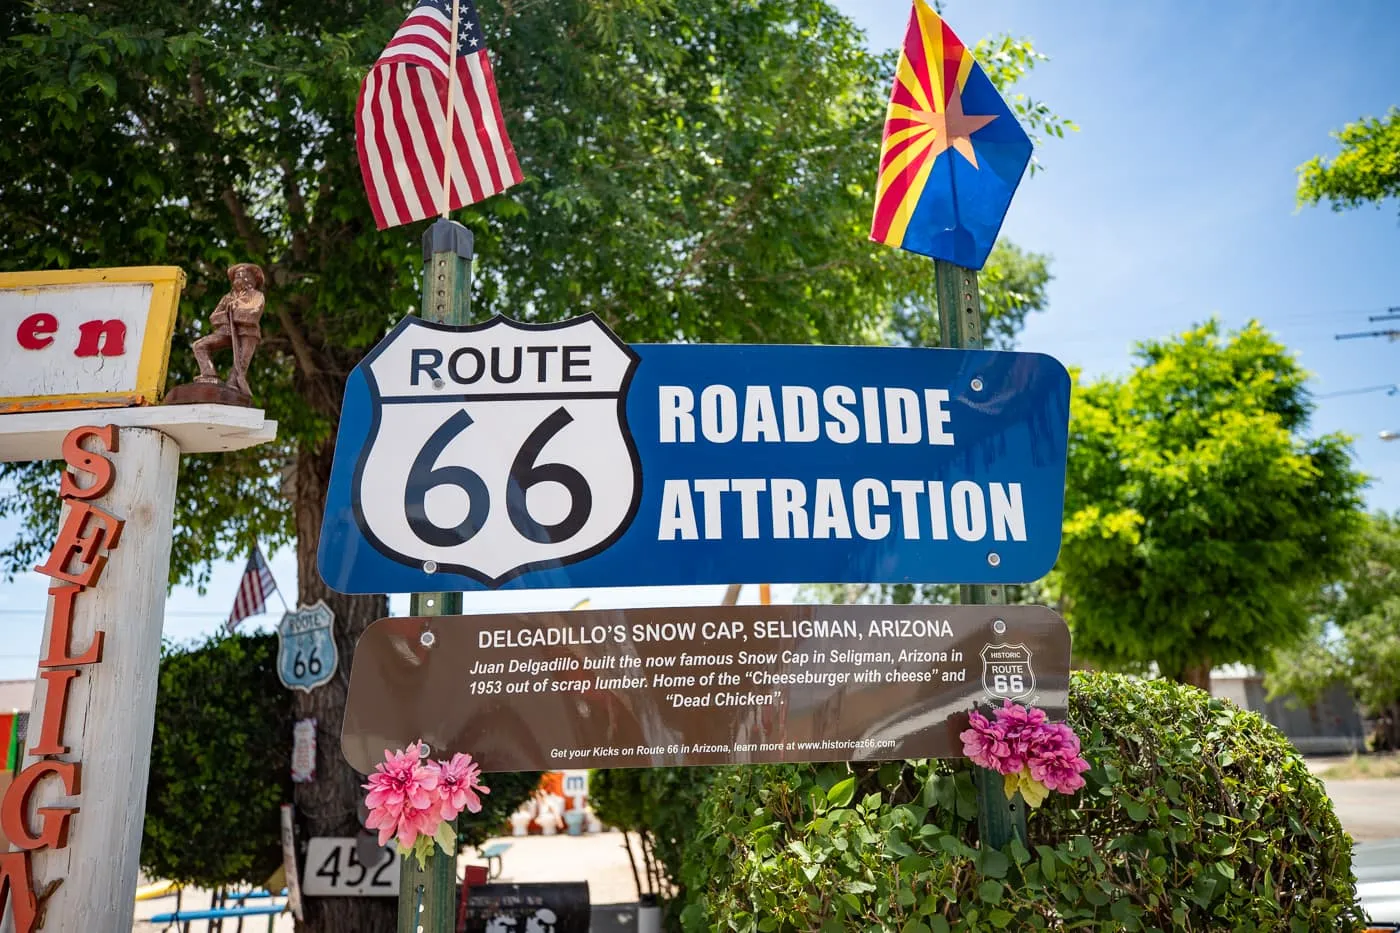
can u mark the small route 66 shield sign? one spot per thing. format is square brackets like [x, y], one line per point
[306, 652]
[1006, 672]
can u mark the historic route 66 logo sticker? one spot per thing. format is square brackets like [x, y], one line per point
[1006, 672]
[499, 447]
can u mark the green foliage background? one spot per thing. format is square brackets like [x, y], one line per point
[1199, 516]
[1196, 816]
[1354, 638]
[660, 805]
[695, 170]
[220, 764]
[509, 789]
[1365, 171]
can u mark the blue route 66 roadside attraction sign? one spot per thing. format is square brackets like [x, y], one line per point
[503, 454]
[306, 652]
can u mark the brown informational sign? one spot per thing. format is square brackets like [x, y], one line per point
[697, 686]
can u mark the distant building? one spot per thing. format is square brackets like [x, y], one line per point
[15, 697]
[1332, 725]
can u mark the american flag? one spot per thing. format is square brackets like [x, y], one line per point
[399, 119]
[257, 584]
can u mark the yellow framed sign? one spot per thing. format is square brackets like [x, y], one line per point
[86, 338]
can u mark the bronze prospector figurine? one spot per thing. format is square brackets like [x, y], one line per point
[236, 327]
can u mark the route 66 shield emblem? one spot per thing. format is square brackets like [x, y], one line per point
[1006, 672]
[497, 448]
[306, 652]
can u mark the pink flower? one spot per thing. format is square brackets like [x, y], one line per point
[410, 798]
[400, 790]
[1019, 726]
[985, 743]
[417, 821]
[1055, 739]
[459, 783]
[1014, 715]
[405, 824]
[1021, 738]
[385, 820]
[1060, 773]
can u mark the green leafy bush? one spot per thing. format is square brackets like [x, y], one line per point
[509, 789]
[221, 769]
[660, 805]
[1196, 816]
[220, 765]
[618, 798]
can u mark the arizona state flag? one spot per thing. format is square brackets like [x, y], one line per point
[953, 152]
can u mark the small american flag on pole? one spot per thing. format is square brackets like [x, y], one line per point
[257, 584]
[419, 157]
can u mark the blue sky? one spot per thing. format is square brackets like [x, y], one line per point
[1173, 202]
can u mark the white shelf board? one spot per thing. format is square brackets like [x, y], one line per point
[198, 429]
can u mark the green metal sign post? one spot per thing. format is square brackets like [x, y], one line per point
[426, 898]
[960, 324]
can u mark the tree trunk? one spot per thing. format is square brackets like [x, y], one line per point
[632, 860]
[653, 872]
[329, 805]
[1196, 675]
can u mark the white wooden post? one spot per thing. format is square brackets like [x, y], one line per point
[88, 348]
[110, 715]
[111, 705]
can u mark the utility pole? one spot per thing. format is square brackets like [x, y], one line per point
[1391, 314]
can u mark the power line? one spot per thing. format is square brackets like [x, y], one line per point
[1276, 323]
[1391, 314]
[1392, 334]
[1389, 389]
[1298, 317]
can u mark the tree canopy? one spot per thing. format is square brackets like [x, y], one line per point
[1199, 518]
[1366, 171]
[220, 764]
[699, 172]
[1355, 638]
